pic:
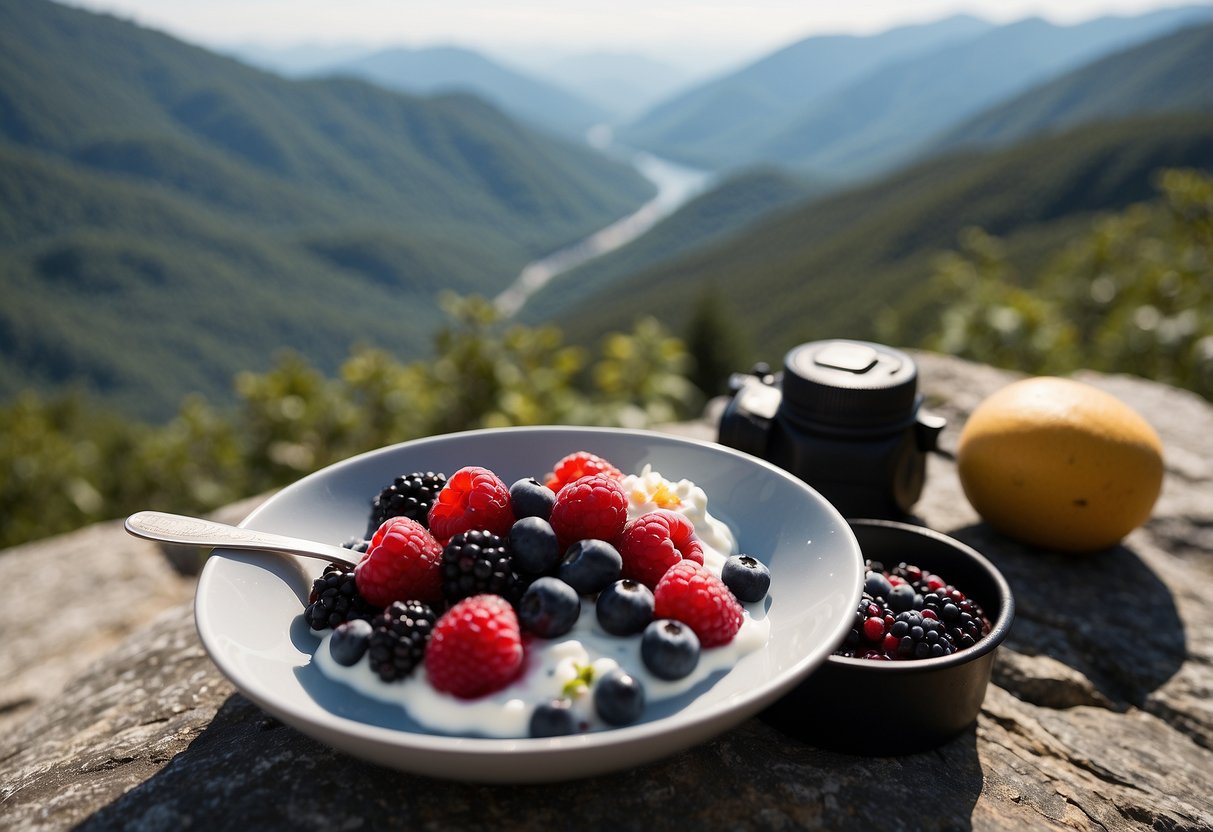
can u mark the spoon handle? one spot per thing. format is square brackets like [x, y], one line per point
[195, 531]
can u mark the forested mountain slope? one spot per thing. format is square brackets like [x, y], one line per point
[1168, 74]
[169, 217]
[831, 266]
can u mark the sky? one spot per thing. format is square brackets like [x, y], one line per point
[700, 35]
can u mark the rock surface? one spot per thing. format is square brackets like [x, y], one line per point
[1099, 715]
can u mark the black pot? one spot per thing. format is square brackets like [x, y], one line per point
[862, 706]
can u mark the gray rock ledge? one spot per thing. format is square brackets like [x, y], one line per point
[1099, 717]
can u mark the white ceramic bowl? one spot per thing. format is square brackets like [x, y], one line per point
[248, 605]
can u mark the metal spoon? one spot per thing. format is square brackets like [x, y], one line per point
[195, 531]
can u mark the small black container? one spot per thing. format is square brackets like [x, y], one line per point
[861, 706]
[844, 416]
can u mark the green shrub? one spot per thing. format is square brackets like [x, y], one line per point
[67, 461]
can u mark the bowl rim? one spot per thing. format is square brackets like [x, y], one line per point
[999, 627]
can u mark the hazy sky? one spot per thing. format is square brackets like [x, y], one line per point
[699, 34]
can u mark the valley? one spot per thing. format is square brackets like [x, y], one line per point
[171, 217]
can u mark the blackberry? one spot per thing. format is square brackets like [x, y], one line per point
[399, 638]
[409, 495]
[476, 562]
[963, 619]
[920, 636]
[335, 599]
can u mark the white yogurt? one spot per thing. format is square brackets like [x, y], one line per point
[553, 666]
[550, 666]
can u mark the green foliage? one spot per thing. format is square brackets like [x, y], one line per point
[66, 461]
[990, 315]
[717, 341]
[1134, 295]
[641, 377]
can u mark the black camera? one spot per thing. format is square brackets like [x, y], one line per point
[844, 416]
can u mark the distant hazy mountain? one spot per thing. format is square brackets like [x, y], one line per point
[453, 69]
[887, 118]
[827, 267]
[169, 217]
[869, 104]
[720, 122]
[297, 60]
[1168, 74]
[623, 84]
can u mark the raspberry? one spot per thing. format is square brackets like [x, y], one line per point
[653, 542]
[689, 593]
[591, 508]
[475, 648]
[404, 562]
[473, 498]
[577, 465]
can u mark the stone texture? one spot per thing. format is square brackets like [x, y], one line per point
[102, 584]
[1098, 717]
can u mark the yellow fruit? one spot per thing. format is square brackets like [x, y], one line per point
[1060, 464]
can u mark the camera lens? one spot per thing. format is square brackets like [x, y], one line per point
[849, 385]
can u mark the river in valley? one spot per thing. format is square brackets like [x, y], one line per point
[675, 185]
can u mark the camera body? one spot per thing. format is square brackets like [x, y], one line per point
[844, 416]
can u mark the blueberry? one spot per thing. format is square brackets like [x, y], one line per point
[877, 585]
[534, 549]
[530, 498]
[902, 597]
[670, 649]
[349, 641]
[590, 566]
[553, 719]
[746, 577]
[549, 608]
[619, 697]
[625, 607]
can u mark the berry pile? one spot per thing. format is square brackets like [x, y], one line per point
[460, 573]
[908, 613]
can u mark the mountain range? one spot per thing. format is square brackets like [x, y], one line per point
[440, 69]
[169, 216]
[1168, 74]
[831, 266]
[1165, 75]
[855, 107]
